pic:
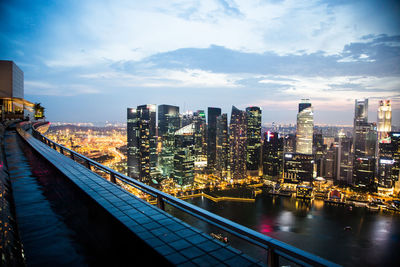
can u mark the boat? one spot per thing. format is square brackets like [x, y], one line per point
[219, 237]
[373, 206]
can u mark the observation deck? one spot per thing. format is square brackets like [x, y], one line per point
[71, 210]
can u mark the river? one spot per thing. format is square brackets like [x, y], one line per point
[316, 227]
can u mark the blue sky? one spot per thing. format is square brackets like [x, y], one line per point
[89, 60]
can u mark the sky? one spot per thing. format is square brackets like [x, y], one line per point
[88, 60]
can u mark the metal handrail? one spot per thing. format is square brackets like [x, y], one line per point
[274, 247]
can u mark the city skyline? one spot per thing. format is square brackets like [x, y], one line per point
[211, 53]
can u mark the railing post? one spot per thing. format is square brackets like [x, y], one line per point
[160, 203]
[61, 150]
[273, 258]
[88, 164]
[72, 156]
[112, 178]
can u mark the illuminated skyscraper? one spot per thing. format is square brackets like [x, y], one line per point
[168, 124]
[184, 155]
[222, 146]
[364, 142]
[384, 119]
[272, 155]
[132, 145]
[200, 140]
[142, 158]
[305, 128]
[389, 160]
[253, 146]
[213, 113]
[237, 143]
[168, 119]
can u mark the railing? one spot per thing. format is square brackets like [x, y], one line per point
[275, 248]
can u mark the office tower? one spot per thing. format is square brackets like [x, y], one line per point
[253, 146]
[200, 140]
[305, 128]
[328, 164]
[168, 119]
[132, 145]
[290, 143]
[364, 142]
[389, 160]
[168, 124]
[184, 155]
[298, 167]
[222, 146]
[142, 142]
[384, 119]
[213, 113]
[272, 155]
[237, 143]
[344, 160]
[319, 150]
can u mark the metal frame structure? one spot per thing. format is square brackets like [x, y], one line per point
[275, 248]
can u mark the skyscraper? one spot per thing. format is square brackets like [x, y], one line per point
[142, 158]
[200, 140]
[132, 145]
[384, 119]
[213, 113]
[237, 143]
[253, 146]
[389, 160]
[168, 119]
[305, 128]
[364, 142]
[168, 124]
[272, 152]
[184, 155]
[222, 146]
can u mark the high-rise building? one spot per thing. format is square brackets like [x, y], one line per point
[133, 158]
[168, 124]
[364, 143]
[344, 160]
[384, 119]
[298, 167]
[184, 155]
[200, 136]
[305, 128]
[222, 164]
[168, 119]
[389, 160]
[142, 157]
[272, 152]
[253, 146]
[213, 113]
[237, 143]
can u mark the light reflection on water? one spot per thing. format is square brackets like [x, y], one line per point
[374, 237]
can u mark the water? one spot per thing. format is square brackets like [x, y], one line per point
[313, 226]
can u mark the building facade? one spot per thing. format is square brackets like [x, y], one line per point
[142, 157]
[222, 164]
[213, 113]
[253, 146]
[272, 155]
[305, 128]
[384, 119]
[237, 143]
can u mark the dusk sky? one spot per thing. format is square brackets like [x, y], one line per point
[88, 61]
